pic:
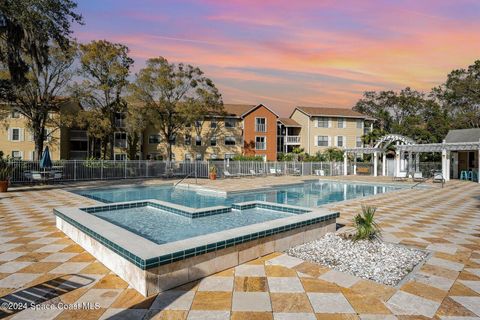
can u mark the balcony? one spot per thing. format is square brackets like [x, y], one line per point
[292, 140]
[78, 135]
[120, 143]
[260, 127]
[78, 155]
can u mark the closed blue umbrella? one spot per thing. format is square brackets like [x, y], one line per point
[46, 161]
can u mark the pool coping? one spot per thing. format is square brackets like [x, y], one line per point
[146, 254]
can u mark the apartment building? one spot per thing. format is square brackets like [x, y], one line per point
[16, 139]
[322, 128]
[214, 137]
[241, 129]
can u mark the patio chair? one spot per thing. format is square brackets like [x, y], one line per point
[320, 172]
[437, 176]
[55, 176]
[296, 172]
[254, 174]
[37, 177]
[227, 174]
[402, 176]
[418, 177]
[273, 171]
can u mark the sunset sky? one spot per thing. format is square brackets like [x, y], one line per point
[289, 53]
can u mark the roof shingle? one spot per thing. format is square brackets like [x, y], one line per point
[321, 111]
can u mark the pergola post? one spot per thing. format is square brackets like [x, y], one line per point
[444, 161]
[375, 164]
[409, 164]
[417, 162]
[384, 164]
[354, 164]
[345, 163]
[397, 163]
[447, 177]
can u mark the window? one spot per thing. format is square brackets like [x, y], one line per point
[230, 141]
[188, 140]
[260, 125]
[322, 122]
[15, 114]
[17, 155]
[120, 156]
[198, 157]
[198, 141]
[359, 143]
[213, 123]
[154, 139]
[260, 143]
[198, 124]
[341, 123]
[229, 123]
[213, 141]
[120, 140]
[359, 123]
[322, 141]
[340, 141]
[15, 134]
[120, 120]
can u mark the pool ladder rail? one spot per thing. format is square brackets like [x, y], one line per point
[188, 175]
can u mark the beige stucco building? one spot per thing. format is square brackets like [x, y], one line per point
[322, 128]
[16, 139]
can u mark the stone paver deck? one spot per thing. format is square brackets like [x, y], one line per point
[40, 264]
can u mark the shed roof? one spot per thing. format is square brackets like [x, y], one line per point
[463, 135]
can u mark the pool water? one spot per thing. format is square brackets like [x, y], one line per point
[308, 194]
[161, 226]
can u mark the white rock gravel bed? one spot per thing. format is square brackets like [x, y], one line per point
[375, 260]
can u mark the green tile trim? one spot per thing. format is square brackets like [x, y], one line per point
[191, 252]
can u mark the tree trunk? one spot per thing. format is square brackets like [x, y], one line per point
[38, 139]
[133, 146]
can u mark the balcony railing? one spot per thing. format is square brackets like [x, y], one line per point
[260, 127]
[120, 143]
[78, 135]
[292, 140]
[260, 146]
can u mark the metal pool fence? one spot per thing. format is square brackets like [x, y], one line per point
[86, 170]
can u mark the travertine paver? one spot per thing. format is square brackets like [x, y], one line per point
[41, 264]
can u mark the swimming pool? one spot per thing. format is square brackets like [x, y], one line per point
[308, 194]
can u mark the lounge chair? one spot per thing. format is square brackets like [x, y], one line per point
[418, 177]
[320, 172]
[254, 174]
[296, 172]
[438, 177]
[273, 171]
[227, 174]
[402, 176]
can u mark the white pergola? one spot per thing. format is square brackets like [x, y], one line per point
[379, 148]
[445, 148]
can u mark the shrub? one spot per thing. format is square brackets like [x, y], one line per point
[240, 157]
[5, 169]
[365, 224]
